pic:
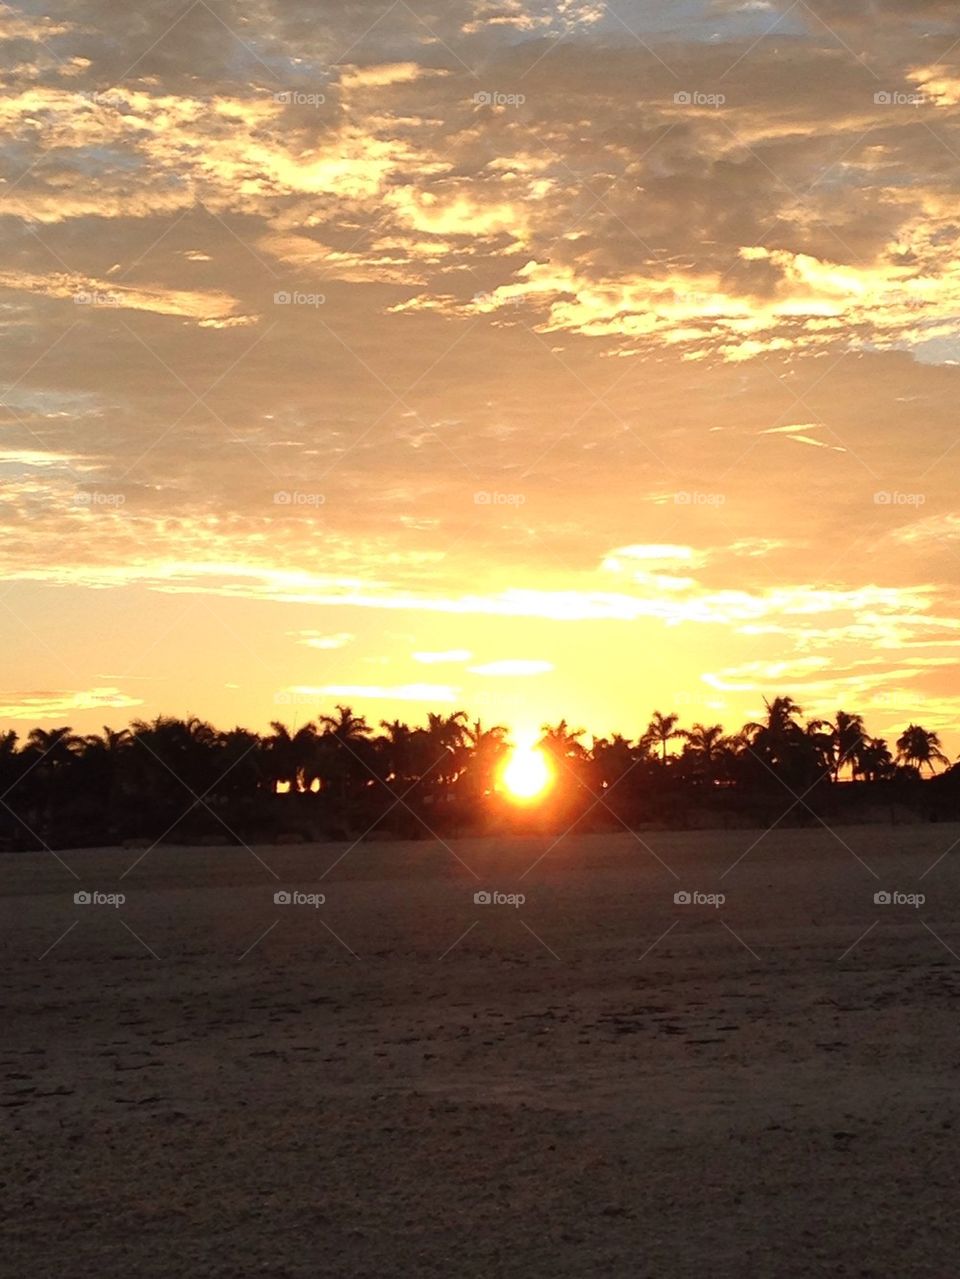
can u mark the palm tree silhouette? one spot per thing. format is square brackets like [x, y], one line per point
[773, 738]
[345, 726]
[171, 775]
[613, 758]
[112, 741]
[707, 752]
[396, 749]
[288, 758]
[918, 747]
[662, 729]
[875, 762]
[847, 740]
[480, 754]
[54, 747]
[561, 741]
[706, 743]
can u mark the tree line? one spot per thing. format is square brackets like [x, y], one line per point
[340, 777]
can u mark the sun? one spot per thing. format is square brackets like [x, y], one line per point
[526, 773]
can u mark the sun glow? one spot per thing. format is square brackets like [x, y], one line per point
[527, 773]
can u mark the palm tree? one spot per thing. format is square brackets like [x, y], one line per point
[918, 746]
[345, 755]
[445, 735]
[612, 758]
[476, 737]
[774, 737]
[447, 732]
[661, 730]
[396, 751]
[706, 743]
[289, 758]
[874, 761]
[8, 759]
[11, 770]
[848, 737]
[562, 742]
[345, 726]
[111, 742]
[47, 757]
[104, 758]
[481, 752]
[705, 747]
[54, 748]
[241, 770]
[782, 717]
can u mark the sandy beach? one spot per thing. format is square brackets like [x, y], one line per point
[400, 1080]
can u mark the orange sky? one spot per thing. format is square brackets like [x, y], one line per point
[540, 359]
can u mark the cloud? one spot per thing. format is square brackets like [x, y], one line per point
[379, 76]
[99, 295]
[581, 299]
[431, 693]
[314, 639]
[801, 435]
[54, 704]
[513, 667]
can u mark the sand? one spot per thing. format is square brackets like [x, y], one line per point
[401, 1081]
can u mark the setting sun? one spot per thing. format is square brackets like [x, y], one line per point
[527, 773]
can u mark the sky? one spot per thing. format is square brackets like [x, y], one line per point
[544, 359]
